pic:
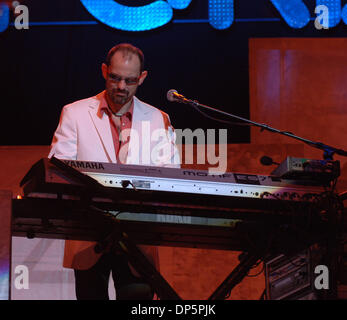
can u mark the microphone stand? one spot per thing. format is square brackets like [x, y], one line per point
[329, 151]
[332, 240]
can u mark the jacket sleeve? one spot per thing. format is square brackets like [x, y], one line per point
[64, 143]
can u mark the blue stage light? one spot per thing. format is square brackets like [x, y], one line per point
[334, 7]
[127, 18]
[4, 16]
[179, 4]
[344, 14]
[294, 12]
[221, 13]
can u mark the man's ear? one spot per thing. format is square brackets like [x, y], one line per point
[143, 77]
[104, 70]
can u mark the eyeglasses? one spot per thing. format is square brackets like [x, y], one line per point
[129, 81]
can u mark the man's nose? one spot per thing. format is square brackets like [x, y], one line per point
[121, 84]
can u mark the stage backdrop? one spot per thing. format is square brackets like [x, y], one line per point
[296, 85]
[299, 85]
[58, 59]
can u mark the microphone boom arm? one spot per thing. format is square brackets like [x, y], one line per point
[329, 151]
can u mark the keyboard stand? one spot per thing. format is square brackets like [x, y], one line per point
[235, 277]
[121, 242]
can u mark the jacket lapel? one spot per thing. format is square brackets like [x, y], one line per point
[141, 128]
[139, 144]
[102, 126]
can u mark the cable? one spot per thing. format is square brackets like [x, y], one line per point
[219, 120]
[125, 184]
[106, 213]
[255, 266]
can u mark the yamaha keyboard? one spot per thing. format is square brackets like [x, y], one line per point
[111, 203]
[167, 206]
[161, 206]
[163, 190]
[47, 177]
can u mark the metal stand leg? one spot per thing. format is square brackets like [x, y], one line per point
[235, 277]
[141, 264]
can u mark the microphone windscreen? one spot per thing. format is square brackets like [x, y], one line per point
[266, 161]
[170, 95]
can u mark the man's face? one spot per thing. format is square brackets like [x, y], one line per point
[123, 77]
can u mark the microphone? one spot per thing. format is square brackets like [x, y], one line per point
[173, 96]
[267, 161]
